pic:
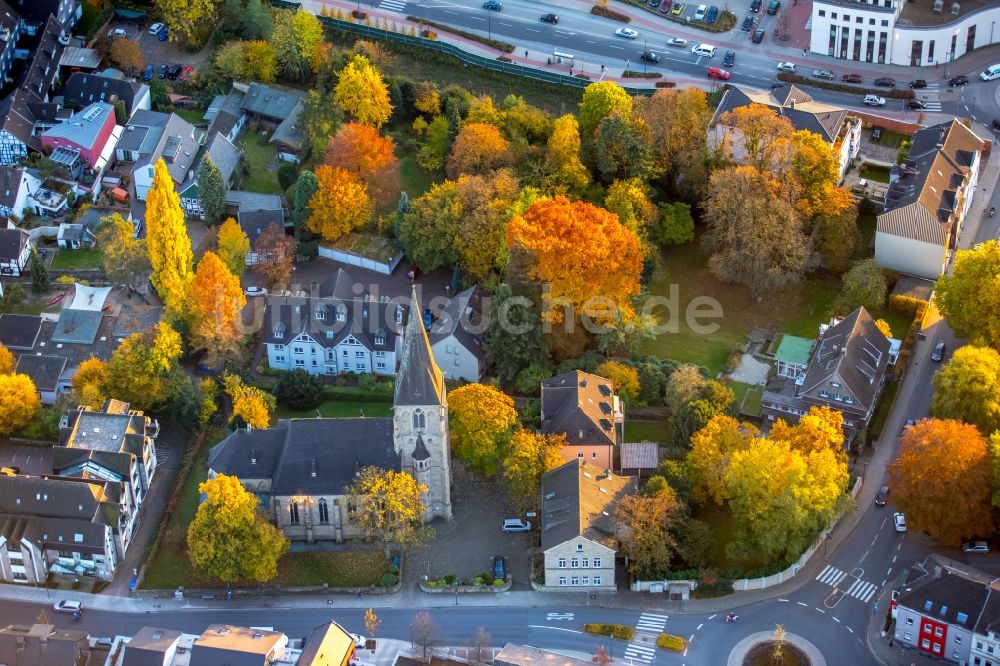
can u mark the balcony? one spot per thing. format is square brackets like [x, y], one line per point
[49, 202]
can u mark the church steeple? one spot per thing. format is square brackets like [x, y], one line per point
[419, 380]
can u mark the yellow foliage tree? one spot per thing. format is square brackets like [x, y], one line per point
[216, 299]
[566, 174]
[362, 93]
[141, 367]
[188, 19]
[883, 327]
[708, 459]
[7, 361]
[234, 246]
[89, 381]
[261, 63]
[20, 402]
[629, 200]
[167, 242]
[478, 149]
[250, 404]
[388, 507]
[531, 455]
[820, 428]
[625, 379]
[481, 419]
[339, 205]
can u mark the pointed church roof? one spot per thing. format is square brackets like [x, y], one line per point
[419, 380]
[420, 451]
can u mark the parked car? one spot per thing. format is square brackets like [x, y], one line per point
[147, 74]
[786, 66]
[899, 520]
[975, 547]
[516, 525]
[117, 33]
[756, 5]
[677, 42]
[882, 495]
[990, 73]
[874, 100]
[730, 58]
[550, 18]
[852, 78]
[493, 5]
[706, 50]
[938, 354]
[758, 36]
[174, 72]
[918, 83]
[718, 73]
[163, 34]
[876, 134]
[915, 104]
[359, 640]
[156, 28]
[255, 291]
[699, 13]
[161, 73]
[677, 10]
[500, 567]
[823, 74]
[885, 82]
[959, 80]
[747, 23]
[187, 73]
[654, 3]
[712, 14]
[428, 319]
[649, 56]
[665, 6]
[627, 33]
[67, 606]
[773, 6]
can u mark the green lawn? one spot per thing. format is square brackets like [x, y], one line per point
[414, 180]
[193, 116]
[338, 409]
[351, 568]
[877, 173]
[258, 153]
[898, 322]
[867, 224]
[878, 423]
[76, 259]
[651, 431]
[748, 397]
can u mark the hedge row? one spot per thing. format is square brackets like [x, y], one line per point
[797, 79]
[611, 14]
[506, 47]
[629, 74]
[671, 642]
[619, 631]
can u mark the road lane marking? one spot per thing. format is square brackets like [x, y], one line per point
[712, 616]
[700, 626]
[542, 626]
[889, 572]
[863, 556]
[531, 30]
[837, 620]
[559, 616]
[850, 630]
[894, 559]
[820, 610]
[784, 600]
[802, 604]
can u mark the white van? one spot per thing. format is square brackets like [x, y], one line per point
[706, 50]
[992, 72]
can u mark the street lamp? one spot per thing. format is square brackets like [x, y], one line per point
[645, 50]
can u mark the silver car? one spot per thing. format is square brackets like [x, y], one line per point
[823, 74]
[516, 525]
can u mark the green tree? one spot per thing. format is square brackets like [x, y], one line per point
[629, 200]
[388, 507]
[694, 400]
[144, 370]
[299, 390]
[435, 145]
[566, 174]
[599, 101]
[481, 419]
[864, 286]
[211, 191]
[256, 20]
[676, 224]
[967, 388]
[190, 20]
[624, 149]
[530, 456]
[39, 272]
[305, 188]
[515, 338]
[970, 307]
[427, 232]
[229, 538]
[124, 258]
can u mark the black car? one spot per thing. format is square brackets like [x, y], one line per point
[885, 82]
[959, 80]
[500, 567]
[649, 56]
[747, 24]
[938, 354]
[772, 7]
[162, 71]
[915, 104]
[730, 58]
[876, 134]
[550, 18]
[882, 496]
[919, 83]
[758, 36]
[174, 72]
[756, 5]
[996, 124]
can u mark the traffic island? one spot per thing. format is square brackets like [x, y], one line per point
[758, 650]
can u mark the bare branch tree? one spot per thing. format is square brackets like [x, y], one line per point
[423, 633]
[481, 640]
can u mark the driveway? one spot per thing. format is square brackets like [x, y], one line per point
[156, 52]
[465, 547]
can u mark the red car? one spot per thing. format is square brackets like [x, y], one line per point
[852, 78]
[665, 5]
[718, 73]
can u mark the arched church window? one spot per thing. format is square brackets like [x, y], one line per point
[324, 512]
[419, 419]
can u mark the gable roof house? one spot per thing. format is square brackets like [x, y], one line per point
[255, 213]
[81, 140]
[26, 645]
[45, 372]
[177, 144]
[226, 158]
[846, 372]
[839, 128]
[928, 198]
[16, 186]
[457, 337]
[583, 407]
[578, 535]
[10, 33]
[15, 250]
[83, 89]
[278, 107]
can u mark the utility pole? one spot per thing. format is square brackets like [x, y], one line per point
[645, 51]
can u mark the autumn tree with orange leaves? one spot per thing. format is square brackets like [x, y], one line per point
[339, 205]
[360, 150]
[215, 299]
[941, 479]
[275, 253]
[478, 149]
[581, 254]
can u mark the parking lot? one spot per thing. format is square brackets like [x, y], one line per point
[156, 52]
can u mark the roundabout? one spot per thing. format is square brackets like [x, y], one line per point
[759, 648]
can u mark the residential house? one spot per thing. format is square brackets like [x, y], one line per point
[277, 107]
[513, 654]
[28, 645]
[47, 204]
[255, 213]
[940, 606]
[301, 468]
[81, 139]
[226, 158]
[333, 330]
[19, 332]
[985, 649]
[10, 33]
[578, 535]
[25, 111]
[639, 458]
[928, 198]
[45, 373]
[327, 645]
[839, 128]
[583, 407]
[16, 186]
[246, 646]
[227, 124]
[791, 359]
[66, 12]
[846, 372]
[151, 646]
[83, 89]
[82, 232]
[457, 337]
[79, 58]
[176, 142]
[225, 115]
[15, 250]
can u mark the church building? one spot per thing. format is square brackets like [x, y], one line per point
[301, 467]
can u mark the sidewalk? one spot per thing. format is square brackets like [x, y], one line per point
[885, 650]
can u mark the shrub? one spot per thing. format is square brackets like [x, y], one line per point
[619, 631]
[449, 580]
[629, 74]
[299, 390]
[610, 13]
[498, 582]
[665, 84]
[671, 642]
[388, 580]
[506, 47]
[288, 173]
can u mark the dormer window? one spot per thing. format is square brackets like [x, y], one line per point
[380, 339]
[320, 314]
[835, 384]
[341, 313]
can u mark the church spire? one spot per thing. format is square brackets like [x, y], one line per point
[419, 380]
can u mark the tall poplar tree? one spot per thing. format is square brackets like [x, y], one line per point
[211, 191]
[167, 241]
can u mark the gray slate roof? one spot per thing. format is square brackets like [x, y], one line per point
[31, 645]
[224, 154]
[11, 179]
[581, 406]
[12, 243]
[223, 122]
[136, 318]
[791, 102]
[419, 381]
[70, 461]
[254, 223]
[19, 331]
[85, 126]
[573, 503]
[944, 595]
[44, 371]
[85, 88]
[460, 318]
[274, 103]
[287, 316]
[149, 646]
[77, 326]
[251, 201]
[106, 430]
[178, 146]
[249, 454]
[143, 131]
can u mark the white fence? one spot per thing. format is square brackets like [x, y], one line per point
[386, 268]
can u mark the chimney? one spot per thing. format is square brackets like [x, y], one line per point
[937, 572]
[312, 468]
[253, 456]
[792, 104]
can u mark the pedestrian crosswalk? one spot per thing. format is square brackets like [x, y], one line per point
[931, 106]
[641, 653]
[394, 5]
[651, 623]
[855, 587]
